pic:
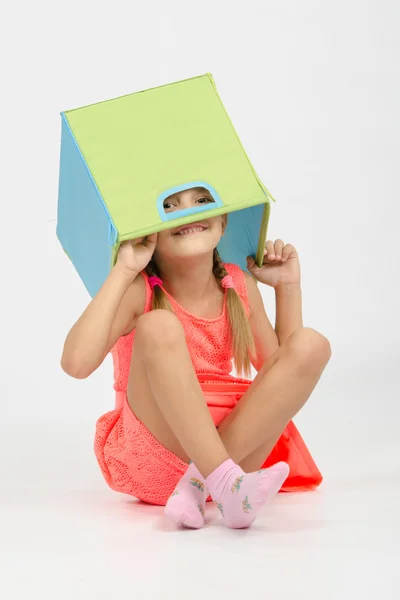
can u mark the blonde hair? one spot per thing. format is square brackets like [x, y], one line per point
[243, 346]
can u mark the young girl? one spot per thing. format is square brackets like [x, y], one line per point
[174, 317]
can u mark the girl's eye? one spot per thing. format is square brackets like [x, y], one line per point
[170, 206]
[202, 200]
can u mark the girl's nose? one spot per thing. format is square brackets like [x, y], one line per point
[186, 202]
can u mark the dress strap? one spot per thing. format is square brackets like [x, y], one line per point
[239, 283]
[233, 270]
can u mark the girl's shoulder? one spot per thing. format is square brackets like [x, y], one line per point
[144, 292]
[137, 300]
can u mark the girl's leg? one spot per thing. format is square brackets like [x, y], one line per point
[278, 392]
[165, 395]
[256, 459]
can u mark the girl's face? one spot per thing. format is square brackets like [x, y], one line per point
[196, 238]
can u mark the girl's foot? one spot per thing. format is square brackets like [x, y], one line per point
[239, 495]
[187, 503]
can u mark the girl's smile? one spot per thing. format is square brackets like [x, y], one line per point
[190, 229]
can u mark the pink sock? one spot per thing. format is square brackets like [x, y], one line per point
[186, 505]
[239, 495]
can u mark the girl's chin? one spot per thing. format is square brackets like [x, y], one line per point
[188, 253]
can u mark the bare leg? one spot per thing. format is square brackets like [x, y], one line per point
[250, 432]
[256, 459]
[280, 389]
[164, 393]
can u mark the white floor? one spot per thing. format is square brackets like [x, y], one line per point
[64, 535]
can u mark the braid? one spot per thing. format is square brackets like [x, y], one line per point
[218, 267]
[242, 337]
[159, 299]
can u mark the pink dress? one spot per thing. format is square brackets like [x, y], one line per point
[131, 459]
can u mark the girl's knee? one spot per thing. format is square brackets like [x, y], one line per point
[158, 327]
[311, 348]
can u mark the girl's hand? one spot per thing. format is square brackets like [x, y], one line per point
[135, 255]
[281, 265]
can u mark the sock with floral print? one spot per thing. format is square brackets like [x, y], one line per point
[186, 505]
[239, 495]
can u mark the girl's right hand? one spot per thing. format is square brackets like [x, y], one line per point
[135, 255]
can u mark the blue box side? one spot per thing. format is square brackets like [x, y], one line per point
[241, 235]
[84, 227]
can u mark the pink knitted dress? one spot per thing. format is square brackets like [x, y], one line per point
[131, 459]
[134, 462]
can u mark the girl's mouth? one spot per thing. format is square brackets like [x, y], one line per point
[189, 230]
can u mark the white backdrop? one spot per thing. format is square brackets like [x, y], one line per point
[313, 90]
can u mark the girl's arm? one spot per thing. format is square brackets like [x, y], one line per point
[289, 315]
[265, 337]
[284, 277]
[111, 314]
[288, 300]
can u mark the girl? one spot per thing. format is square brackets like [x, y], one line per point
[174, 317]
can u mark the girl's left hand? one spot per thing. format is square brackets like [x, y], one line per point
[281, 265]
